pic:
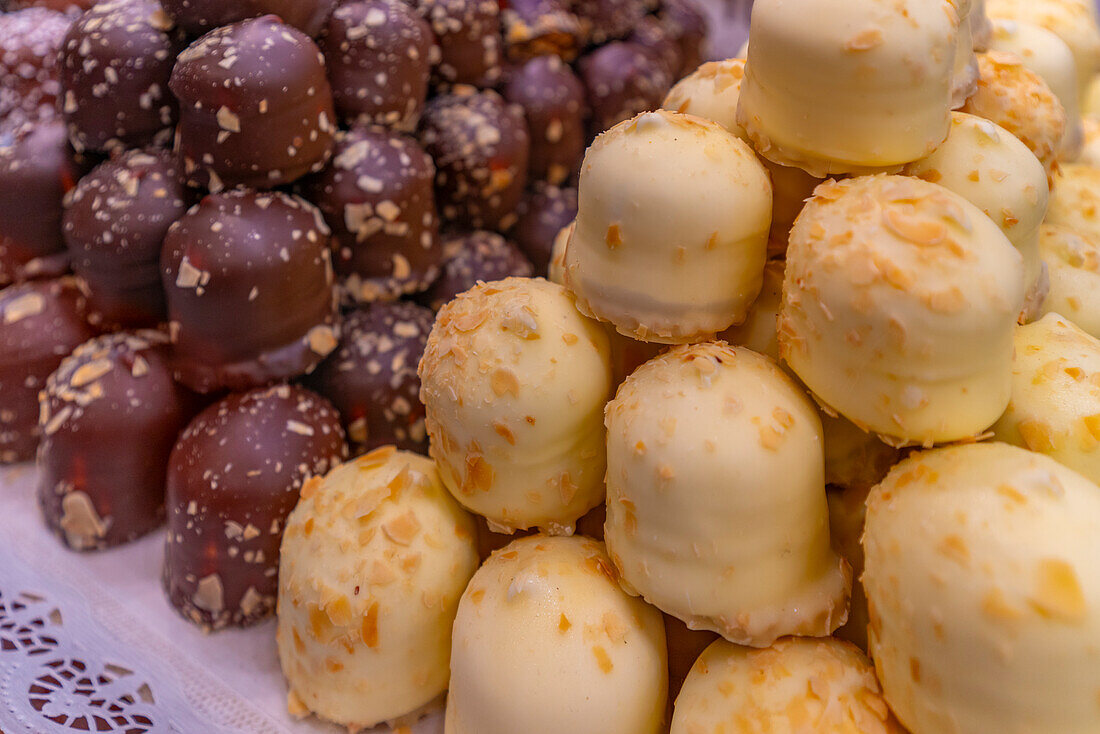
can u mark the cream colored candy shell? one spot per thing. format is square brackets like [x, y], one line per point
[758, 331]
[374, 560]
[514, 380]
[983, 576]
[1055, 408]
[711, 92]
[1075, 199]
[797, 686]
[1048, 56]
[1090, 152]
[1018, 100]
[848, 86]
[981, 28]
[556, 270]
[671, 232]
[1074, 262]
[716, 509]
[994, 171]
[899, 301]
[546, 642]
[964, 79]
[1090, 105]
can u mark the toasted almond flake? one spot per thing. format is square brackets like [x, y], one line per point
[614, 236]
[1057, 593]
[322, 340]
[602, 658]
[369, 630]
[250, 601]
[381, 573]
[90, 372]
[20, 308]
[227, 120]
[504, 382]
[209, 594]
[402, 529]
[865, 40]
[300, 428]
[80, 521]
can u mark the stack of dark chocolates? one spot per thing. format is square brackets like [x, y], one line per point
[225, 229]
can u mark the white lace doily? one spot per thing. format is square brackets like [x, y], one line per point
[88, 642]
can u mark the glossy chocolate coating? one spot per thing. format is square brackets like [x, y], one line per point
[115, 64]
[233, 477]
[622, 80]
[114, 224]
[371, 378]
[255, 106]
[480, 147]
[29, 42]
[544, 210]
[469, 37]
[654, 37]
[541, 27]
[607, 20]
[36, 171]
[110, 415]
[41, 322]
[199, 16]
[379, 56]
[552, 98]
[686, 23]
[377, 197]
[473, 257]
[249, 286]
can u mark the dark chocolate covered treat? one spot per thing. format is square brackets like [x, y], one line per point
[41, 322]
[379, 55]
[199, 16]
[233, 477]
[686, 23]
[29, 42]
[249, 285]
[652, 35]
[543, 212]
[371, 378]
[377, 197]
[36, 170]
[72, 8]
[110, 415]
[622, 79]
[541, 27]
[469, 36]
[473, 257]
[552, 98]
[115, 64]
[607, 20]
[255, 106]
[480, 147]
[114, 224]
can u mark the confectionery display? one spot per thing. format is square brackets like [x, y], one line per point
[515, 381]
[1074, 262]
[474, 257]
[264, 257]
[983, 587]
[556, 603]
[233, 477]
[374, 560]
[541, 214]
[109, 418]
[371, 377]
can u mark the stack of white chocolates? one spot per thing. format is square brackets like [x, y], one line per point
[822, 343]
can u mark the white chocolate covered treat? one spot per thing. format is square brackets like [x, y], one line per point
[1090, 150]
[791, 189]
[556, 271]
[847, 512]
[824, 686]
[716, 509]
[1048, 56]
[848, 86]
[964, 77]
[374, 560]
[711, 92]
[672, 228]
[546, 642]
[1018, 100]
[758, 330]
[981, 28]
[983, 577]
[854, 458]
[899, 301]
[989, 167]
[1055, 406]
[1074, 263]
[1090, 105]
[514, 380]
[1075, 199]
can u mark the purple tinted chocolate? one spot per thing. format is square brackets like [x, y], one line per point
[480, 147]
[541, 27]
[469, 37]
[377, 197]
[114, 225]
[41, 322]
[622, 79]
[543, 212]
[607, 20]
[36, 171]
[371, 378]
[199, 16]
[115, 64]
[379, 55]
[473, 257]
[233, 477]
[110, 415]
[651, 35]
[256, 108]
[29, 42]
[249, 286]
[686, 23]
[552, 98]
